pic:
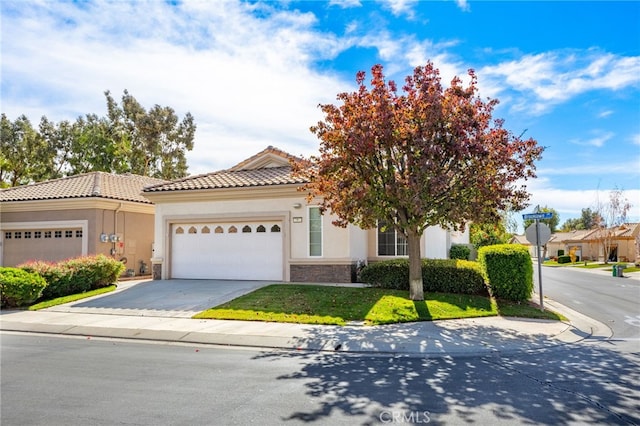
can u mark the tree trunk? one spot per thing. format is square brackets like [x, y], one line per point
[416, 291]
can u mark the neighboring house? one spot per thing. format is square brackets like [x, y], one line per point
[522, 239]
[565, 241]
[625, 241]
[251, 222]
[91, 213]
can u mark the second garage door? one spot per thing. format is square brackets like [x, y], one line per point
[233, 250]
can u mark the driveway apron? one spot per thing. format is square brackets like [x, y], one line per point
[164, 298]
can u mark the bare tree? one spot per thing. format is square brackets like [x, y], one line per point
[612, 215]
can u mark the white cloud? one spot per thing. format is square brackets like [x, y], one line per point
[400, 7]
[546, 79]
[635, 139]
[248, 82]
[464, 5]
[598, 140]
[345, 4]
[569, 203]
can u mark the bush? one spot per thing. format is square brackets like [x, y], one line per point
[509, 271]
[393, 274]
[19, 288]
[459, 251]
[564, 259]
[76, 275]
[438, 275]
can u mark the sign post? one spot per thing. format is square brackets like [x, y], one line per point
[539, 234]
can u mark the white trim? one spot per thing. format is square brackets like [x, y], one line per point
[50, 224]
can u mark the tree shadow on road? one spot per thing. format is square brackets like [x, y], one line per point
[584, 383]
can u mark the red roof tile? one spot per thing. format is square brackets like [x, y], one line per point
[231, 179]
[88, 185]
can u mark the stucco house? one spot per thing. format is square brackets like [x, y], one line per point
[251, 222]
[91, 213]
[587, 243]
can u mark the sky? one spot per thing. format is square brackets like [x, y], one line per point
[253, 73]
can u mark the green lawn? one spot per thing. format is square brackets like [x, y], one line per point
[313, 304]
[71, 298]
[592, 265]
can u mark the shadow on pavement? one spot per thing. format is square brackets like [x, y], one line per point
[570, 384]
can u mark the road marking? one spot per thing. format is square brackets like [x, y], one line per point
[635, 321]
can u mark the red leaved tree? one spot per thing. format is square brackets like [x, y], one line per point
[429, 156]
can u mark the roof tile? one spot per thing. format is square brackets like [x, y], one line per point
[231, 179]
[87, 185]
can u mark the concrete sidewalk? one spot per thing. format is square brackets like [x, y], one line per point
[477, 336]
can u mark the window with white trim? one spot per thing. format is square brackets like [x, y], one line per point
[315, 231]
[390, 241]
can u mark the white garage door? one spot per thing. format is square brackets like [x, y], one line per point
[237, 251]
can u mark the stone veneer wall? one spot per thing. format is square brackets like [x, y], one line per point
[323, 273]
[156, 270]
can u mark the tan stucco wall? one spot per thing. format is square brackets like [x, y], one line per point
[133, 223]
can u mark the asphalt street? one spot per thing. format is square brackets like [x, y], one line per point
[613, 301]
[49, 380]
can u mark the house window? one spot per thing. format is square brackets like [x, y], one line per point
[37, 234]
[233, 229]
[27, 234]
[206, 230]
[219, 230]
[246, 229]
[17, 234]
[68, 234]
[193, 230]
[79, 233]
[390, 241]
[47, 234]
[7, 235]
[179, 230]
[261, 228]
[57, 234]
[275, 228]
[315, 231]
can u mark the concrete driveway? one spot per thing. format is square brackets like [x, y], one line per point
[163, 298]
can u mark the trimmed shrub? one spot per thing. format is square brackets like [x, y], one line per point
[459, 251]
[19, 288]
[77, 275]
[438, 275]
[393, 274]
[564, 259]
[508, 270]
[452, 276]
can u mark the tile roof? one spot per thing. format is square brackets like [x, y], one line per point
[268, 157]
[231, 179]
[87, 185]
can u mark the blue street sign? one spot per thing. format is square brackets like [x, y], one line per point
[542, 215]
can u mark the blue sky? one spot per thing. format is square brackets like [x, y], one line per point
[253, 73]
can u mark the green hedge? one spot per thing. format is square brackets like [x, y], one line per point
[564, 259]
[509, 271]
[459, 251]
[19, 288]
[438, 275]
[76, 275]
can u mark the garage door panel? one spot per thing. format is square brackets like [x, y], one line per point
[51, 245]
[221, 254]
